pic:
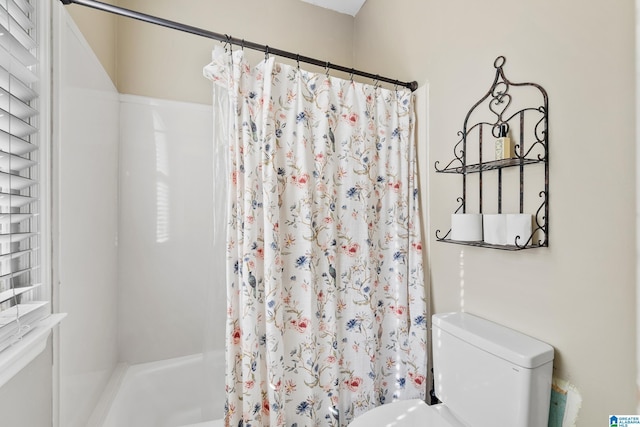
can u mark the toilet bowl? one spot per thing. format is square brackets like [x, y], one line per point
[485, 374]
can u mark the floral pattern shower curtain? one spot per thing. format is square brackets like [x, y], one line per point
[326, 313]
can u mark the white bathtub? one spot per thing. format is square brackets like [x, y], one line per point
[186, 391]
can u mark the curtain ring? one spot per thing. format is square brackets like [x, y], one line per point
[226, 42]
[229, 42]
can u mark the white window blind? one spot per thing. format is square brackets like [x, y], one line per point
[23, 301]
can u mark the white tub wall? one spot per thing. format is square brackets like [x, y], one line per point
[166, 218]
[168, 393]
[100, 30]
[86, 173]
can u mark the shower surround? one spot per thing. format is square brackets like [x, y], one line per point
[136, 217]
[166, 282]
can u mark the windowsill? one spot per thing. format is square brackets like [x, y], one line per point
[15, 358]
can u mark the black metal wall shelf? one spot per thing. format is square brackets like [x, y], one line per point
[491, 246]
[532, 147]
[491, 165]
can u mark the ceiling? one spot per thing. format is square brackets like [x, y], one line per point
[349, 7]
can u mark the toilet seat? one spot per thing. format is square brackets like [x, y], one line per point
[407, 413]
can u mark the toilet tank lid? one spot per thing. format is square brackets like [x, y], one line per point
[503, 342]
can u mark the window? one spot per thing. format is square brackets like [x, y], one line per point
[24, 300]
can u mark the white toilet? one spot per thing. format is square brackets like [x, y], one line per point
[485, 375]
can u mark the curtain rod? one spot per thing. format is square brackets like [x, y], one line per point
[233, 40]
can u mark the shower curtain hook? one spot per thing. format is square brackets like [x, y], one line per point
[376, 82]
[326, 68]
[351, 75]
[227, 42]
[298, 60]
[242, 45]
[230, 48]
[266, 53]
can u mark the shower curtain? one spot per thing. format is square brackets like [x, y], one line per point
[326, 311]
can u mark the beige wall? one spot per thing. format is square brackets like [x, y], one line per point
[148, 60]
[100, 30]
[579, 294]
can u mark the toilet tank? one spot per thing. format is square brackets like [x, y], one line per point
[488, 375]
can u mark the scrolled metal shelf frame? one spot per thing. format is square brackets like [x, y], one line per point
[499, 100]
